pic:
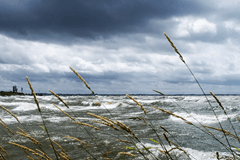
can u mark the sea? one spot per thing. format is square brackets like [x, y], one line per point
[193, 141]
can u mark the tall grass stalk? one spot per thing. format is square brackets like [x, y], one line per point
[40, 112]
[180, 56]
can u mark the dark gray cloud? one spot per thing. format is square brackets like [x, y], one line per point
[59, 20]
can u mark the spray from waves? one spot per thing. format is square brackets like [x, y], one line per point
[202, 118]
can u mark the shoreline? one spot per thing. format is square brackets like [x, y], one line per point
[10, 93]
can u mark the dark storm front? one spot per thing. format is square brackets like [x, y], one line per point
[195, 142]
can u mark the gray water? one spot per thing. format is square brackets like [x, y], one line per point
[195, 142]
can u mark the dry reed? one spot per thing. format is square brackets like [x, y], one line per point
[107, 124]
[220, 104]
[49, 158]
[105, 119]
[169, 40]
[39, 109]
[222, 130]
[4, 125]
[58, 146]
[34, 95]
[76, 139]
[164, 129]
[126, 153]
[62, 156]
[144, 120]
[159, 92]
[29, 157]
[64, 112]
[4, 151]
[137, 103]
[167, 152]
[60, 99]
[27, 136]
[107, 153]
[82, 80]
[135, 118]
[173, 143]
[108, 121]
[123, 126]
[166, 138]
[28, 149]
[173, 115]
[126, 128]
[1, 155]
[85, 124]
[2, 121]
[10, 113]
[123, 141]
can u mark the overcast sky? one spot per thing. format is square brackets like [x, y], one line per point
[119, 46]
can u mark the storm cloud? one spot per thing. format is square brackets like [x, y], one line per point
[61, 20]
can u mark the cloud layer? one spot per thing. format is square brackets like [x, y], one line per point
[119, 47]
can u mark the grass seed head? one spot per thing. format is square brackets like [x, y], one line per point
[64, 112]
[137, 103]
[159, 92]
[169, 40]
[107, 124]
[173, 115]
[4, 151]
[220, 104]
[10, 113]
[27, 136]
[33, 93]
[82, 79]
[28, 149]
[85, 124]
[126, 153]
[4, 125]
[59, 98]
[29, 157]
[49, 158]
[76, 139]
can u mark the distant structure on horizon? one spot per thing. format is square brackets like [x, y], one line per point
[15, 88]
[22, 90]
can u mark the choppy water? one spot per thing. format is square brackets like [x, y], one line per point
[196, 143]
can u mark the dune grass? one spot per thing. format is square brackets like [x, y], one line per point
[134, 147]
